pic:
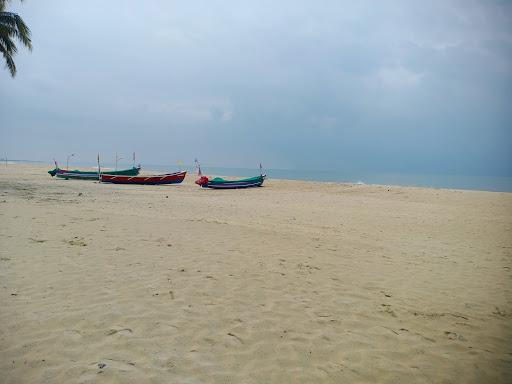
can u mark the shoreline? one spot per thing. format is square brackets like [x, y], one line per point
[269, 178]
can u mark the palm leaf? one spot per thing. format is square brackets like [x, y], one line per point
[12, 27]
[7, 44]
[8, 49]
[15, 27]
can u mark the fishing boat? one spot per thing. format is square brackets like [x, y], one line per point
[220, 183]
[168, 178]
[90, 175]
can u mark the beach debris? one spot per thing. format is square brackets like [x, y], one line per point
[114, 331]
[101, 365]
[392, 330]
[80, 193]
[37, 240]
[437, 315]
[236, 337]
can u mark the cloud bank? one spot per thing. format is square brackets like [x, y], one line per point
[402, 86]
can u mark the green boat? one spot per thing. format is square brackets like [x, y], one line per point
[220, 183]
[91, 175]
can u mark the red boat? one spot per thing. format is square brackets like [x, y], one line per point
[168, 178]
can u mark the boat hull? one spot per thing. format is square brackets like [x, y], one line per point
[234, 184]
[169, 178]
[90, 175]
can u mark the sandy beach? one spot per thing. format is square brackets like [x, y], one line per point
[295, 282]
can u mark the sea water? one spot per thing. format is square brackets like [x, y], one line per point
[484, 183]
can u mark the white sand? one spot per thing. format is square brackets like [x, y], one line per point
[295, 282]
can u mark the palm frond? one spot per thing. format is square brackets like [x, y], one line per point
[7, 45]
[3, 4]
[14, 25]
[7, 53]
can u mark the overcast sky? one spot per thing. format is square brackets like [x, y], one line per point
[398, 86]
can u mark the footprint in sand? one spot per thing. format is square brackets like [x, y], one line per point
[117, 365]
[500, 313]
[78, 241]
[454, 336]
[387, 309]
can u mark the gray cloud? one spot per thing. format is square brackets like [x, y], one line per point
[408, 86]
